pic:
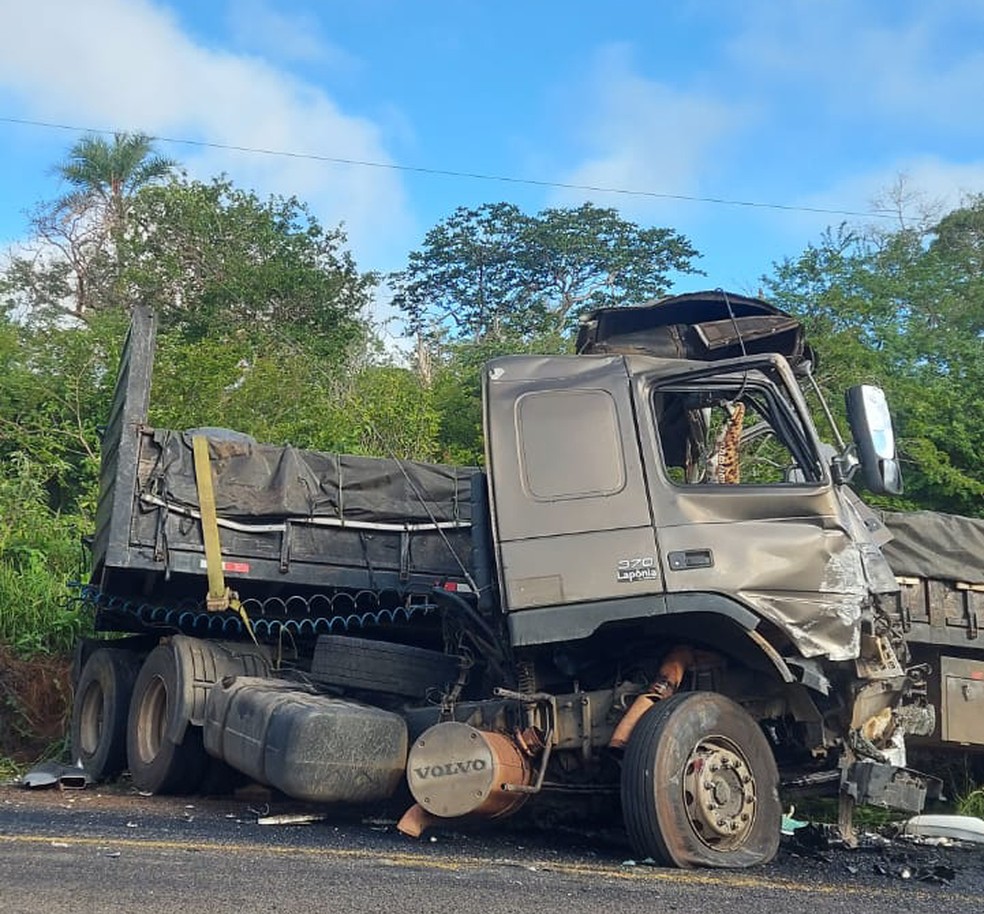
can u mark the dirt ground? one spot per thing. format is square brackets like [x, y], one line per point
[35, 706]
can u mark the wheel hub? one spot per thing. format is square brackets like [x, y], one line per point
[91, 718]
[719, 792]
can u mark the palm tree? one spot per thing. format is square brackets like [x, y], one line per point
[106, 174]
[88, 225]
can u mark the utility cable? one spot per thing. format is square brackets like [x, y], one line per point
[469, 175]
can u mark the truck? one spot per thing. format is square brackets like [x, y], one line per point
[659, 592]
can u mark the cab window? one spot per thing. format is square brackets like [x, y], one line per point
[733, 431]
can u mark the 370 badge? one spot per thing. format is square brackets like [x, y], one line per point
[640, 568]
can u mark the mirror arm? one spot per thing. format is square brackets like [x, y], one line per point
[838, 438]
[844, 465]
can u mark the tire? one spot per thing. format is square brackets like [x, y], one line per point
[99, 712]
[158, 765]
[700, 785]
[379, 666]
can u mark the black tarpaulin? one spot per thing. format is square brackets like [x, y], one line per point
[933, 545]
[260, 481]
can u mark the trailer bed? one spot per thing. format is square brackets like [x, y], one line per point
[290, 521]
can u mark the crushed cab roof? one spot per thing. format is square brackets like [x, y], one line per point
[705, 326]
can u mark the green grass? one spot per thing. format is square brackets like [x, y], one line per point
[972, 803]
[37, 617]
[9, 770]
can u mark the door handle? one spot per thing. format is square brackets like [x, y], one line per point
[690, 558]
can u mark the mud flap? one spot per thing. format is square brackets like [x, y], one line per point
[201, 664]
[888, 786]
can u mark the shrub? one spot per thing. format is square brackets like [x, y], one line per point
[40, 552]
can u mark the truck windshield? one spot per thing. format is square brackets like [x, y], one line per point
[733, 431]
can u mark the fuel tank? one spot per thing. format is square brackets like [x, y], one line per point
[311, 747]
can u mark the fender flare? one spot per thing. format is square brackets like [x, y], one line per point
[694, 611]
[738, 619]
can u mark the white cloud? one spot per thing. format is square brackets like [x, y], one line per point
[855, 61]
[126, 64]
[931, 187]
[257, 25]
[645, 135]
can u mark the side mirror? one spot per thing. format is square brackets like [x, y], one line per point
[874, 437]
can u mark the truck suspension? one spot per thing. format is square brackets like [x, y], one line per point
[671, 673]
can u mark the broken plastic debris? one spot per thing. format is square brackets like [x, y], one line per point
[790, 825]
[956, 828]
[941, 874]
[290, 819]
[37, 778]
[937, 874]
[51, 774]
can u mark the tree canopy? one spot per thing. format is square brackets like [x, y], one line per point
[215, 259]
[104, 176]
[495, 273]
[905, 309]
[262, 315]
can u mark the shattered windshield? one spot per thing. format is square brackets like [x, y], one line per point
[733, 431]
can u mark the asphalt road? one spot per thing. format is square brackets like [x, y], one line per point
[107, 852]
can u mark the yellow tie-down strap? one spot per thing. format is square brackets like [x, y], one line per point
[219, 597]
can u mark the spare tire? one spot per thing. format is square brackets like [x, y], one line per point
[380, 666]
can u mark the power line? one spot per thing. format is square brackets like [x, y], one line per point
[470, 175]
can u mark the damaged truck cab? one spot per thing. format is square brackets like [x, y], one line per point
[660, 587]
[664, 490]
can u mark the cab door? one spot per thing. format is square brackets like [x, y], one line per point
[745, 506]
[570, 506]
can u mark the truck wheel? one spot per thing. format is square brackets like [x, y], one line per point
[99, 712]
[379, 666]
[700, 785]
[158, 765]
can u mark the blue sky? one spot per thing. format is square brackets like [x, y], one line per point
[803, 104]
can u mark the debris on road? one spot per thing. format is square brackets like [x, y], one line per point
[969, 829]
[291, 819]
[924, 849]
[789, 825]
[56, 774]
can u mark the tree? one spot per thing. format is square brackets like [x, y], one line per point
[494, 273]
[55, 393]
[214, 259]
[905, 309]
[106, 175]
[262, 326]
[72, 266]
